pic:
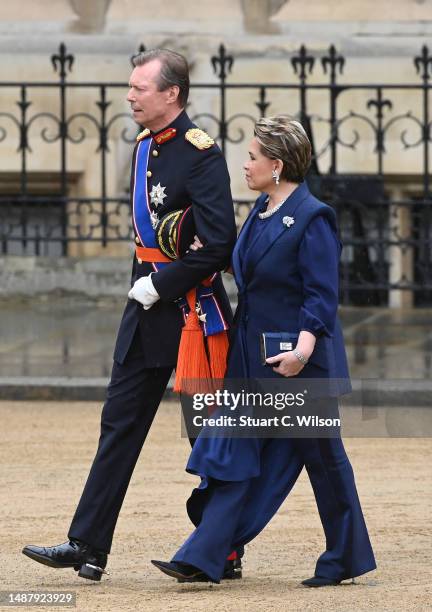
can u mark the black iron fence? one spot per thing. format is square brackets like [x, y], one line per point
[371, 161]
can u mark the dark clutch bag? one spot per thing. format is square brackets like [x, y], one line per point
[175, 232]
[273, 343]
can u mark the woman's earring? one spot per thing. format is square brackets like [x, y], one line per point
[275, 177]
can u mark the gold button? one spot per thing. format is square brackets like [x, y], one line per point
[149, 173]
[139, 260]
[155, 153]
[137, 240]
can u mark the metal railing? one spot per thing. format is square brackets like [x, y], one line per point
[387, 237]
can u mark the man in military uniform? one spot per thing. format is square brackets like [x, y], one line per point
[175, 166]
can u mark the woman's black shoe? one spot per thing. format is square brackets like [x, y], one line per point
[319, 581]
[182, 571]
[232, 570]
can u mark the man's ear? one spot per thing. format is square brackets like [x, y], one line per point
[173, 94]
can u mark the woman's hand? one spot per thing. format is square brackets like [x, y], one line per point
[196, 244]
[288, 364]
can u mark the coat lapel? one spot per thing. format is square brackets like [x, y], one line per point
[242, 242]
[273, 229]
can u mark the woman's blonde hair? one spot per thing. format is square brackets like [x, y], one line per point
[281, 137]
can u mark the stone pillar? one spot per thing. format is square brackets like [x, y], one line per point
[257, 13]
[91, 15]
[400, 258]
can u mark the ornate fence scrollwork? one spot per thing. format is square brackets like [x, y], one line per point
[381, 231]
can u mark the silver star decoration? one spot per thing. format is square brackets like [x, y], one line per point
[157, 194]
[288, 221]
[154, 219]
[201, 315]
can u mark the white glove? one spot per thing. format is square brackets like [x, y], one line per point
[144, 292]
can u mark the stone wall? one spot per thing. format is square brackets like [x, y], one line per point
[87, 277]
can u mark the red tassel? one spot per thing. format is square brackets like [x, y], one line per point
[193, 371]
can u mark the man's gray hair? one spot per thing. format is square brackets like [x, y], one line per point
[174, 70]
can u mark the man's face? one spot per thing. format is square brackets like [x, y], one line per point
[149, 106]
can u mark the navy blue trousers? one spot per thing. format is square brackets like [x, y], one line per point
[133, 397]
[233, 513]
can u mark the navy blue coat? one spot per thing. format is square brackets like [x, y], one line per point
[287, 279]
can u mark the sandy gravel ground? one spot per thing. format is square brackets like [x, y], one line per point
[45, 453]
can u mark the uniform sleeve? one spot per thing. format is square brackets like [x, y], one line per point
[208, 189]
[318, 257]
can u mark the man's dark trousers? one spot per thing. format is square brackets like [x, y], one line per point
[133, 397]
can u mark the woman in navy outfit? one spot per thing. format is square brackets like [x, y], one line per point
[285, 264]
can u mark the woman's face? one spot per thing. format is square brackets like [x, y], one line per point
[258, 168]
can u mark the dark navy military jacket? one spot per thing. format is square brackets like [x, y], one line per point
[189, 176]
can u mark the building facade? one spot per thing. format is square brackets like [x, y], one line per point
[356, 74]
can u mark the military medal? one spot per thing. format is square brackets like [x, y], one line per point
[154, 219]
[202, 316]
[157, 195]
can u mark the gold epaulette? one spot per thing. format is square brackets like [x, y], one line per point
[200, 139]
[143, 134]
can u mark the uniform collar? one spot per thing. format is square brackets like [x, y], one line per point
[179, 126]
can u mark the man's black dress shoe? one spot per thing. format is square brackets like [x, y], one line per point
[88, 562]
[319, 581]
[182, 571]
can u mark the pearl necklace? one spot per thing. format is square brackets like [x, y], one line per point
[268, 213]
